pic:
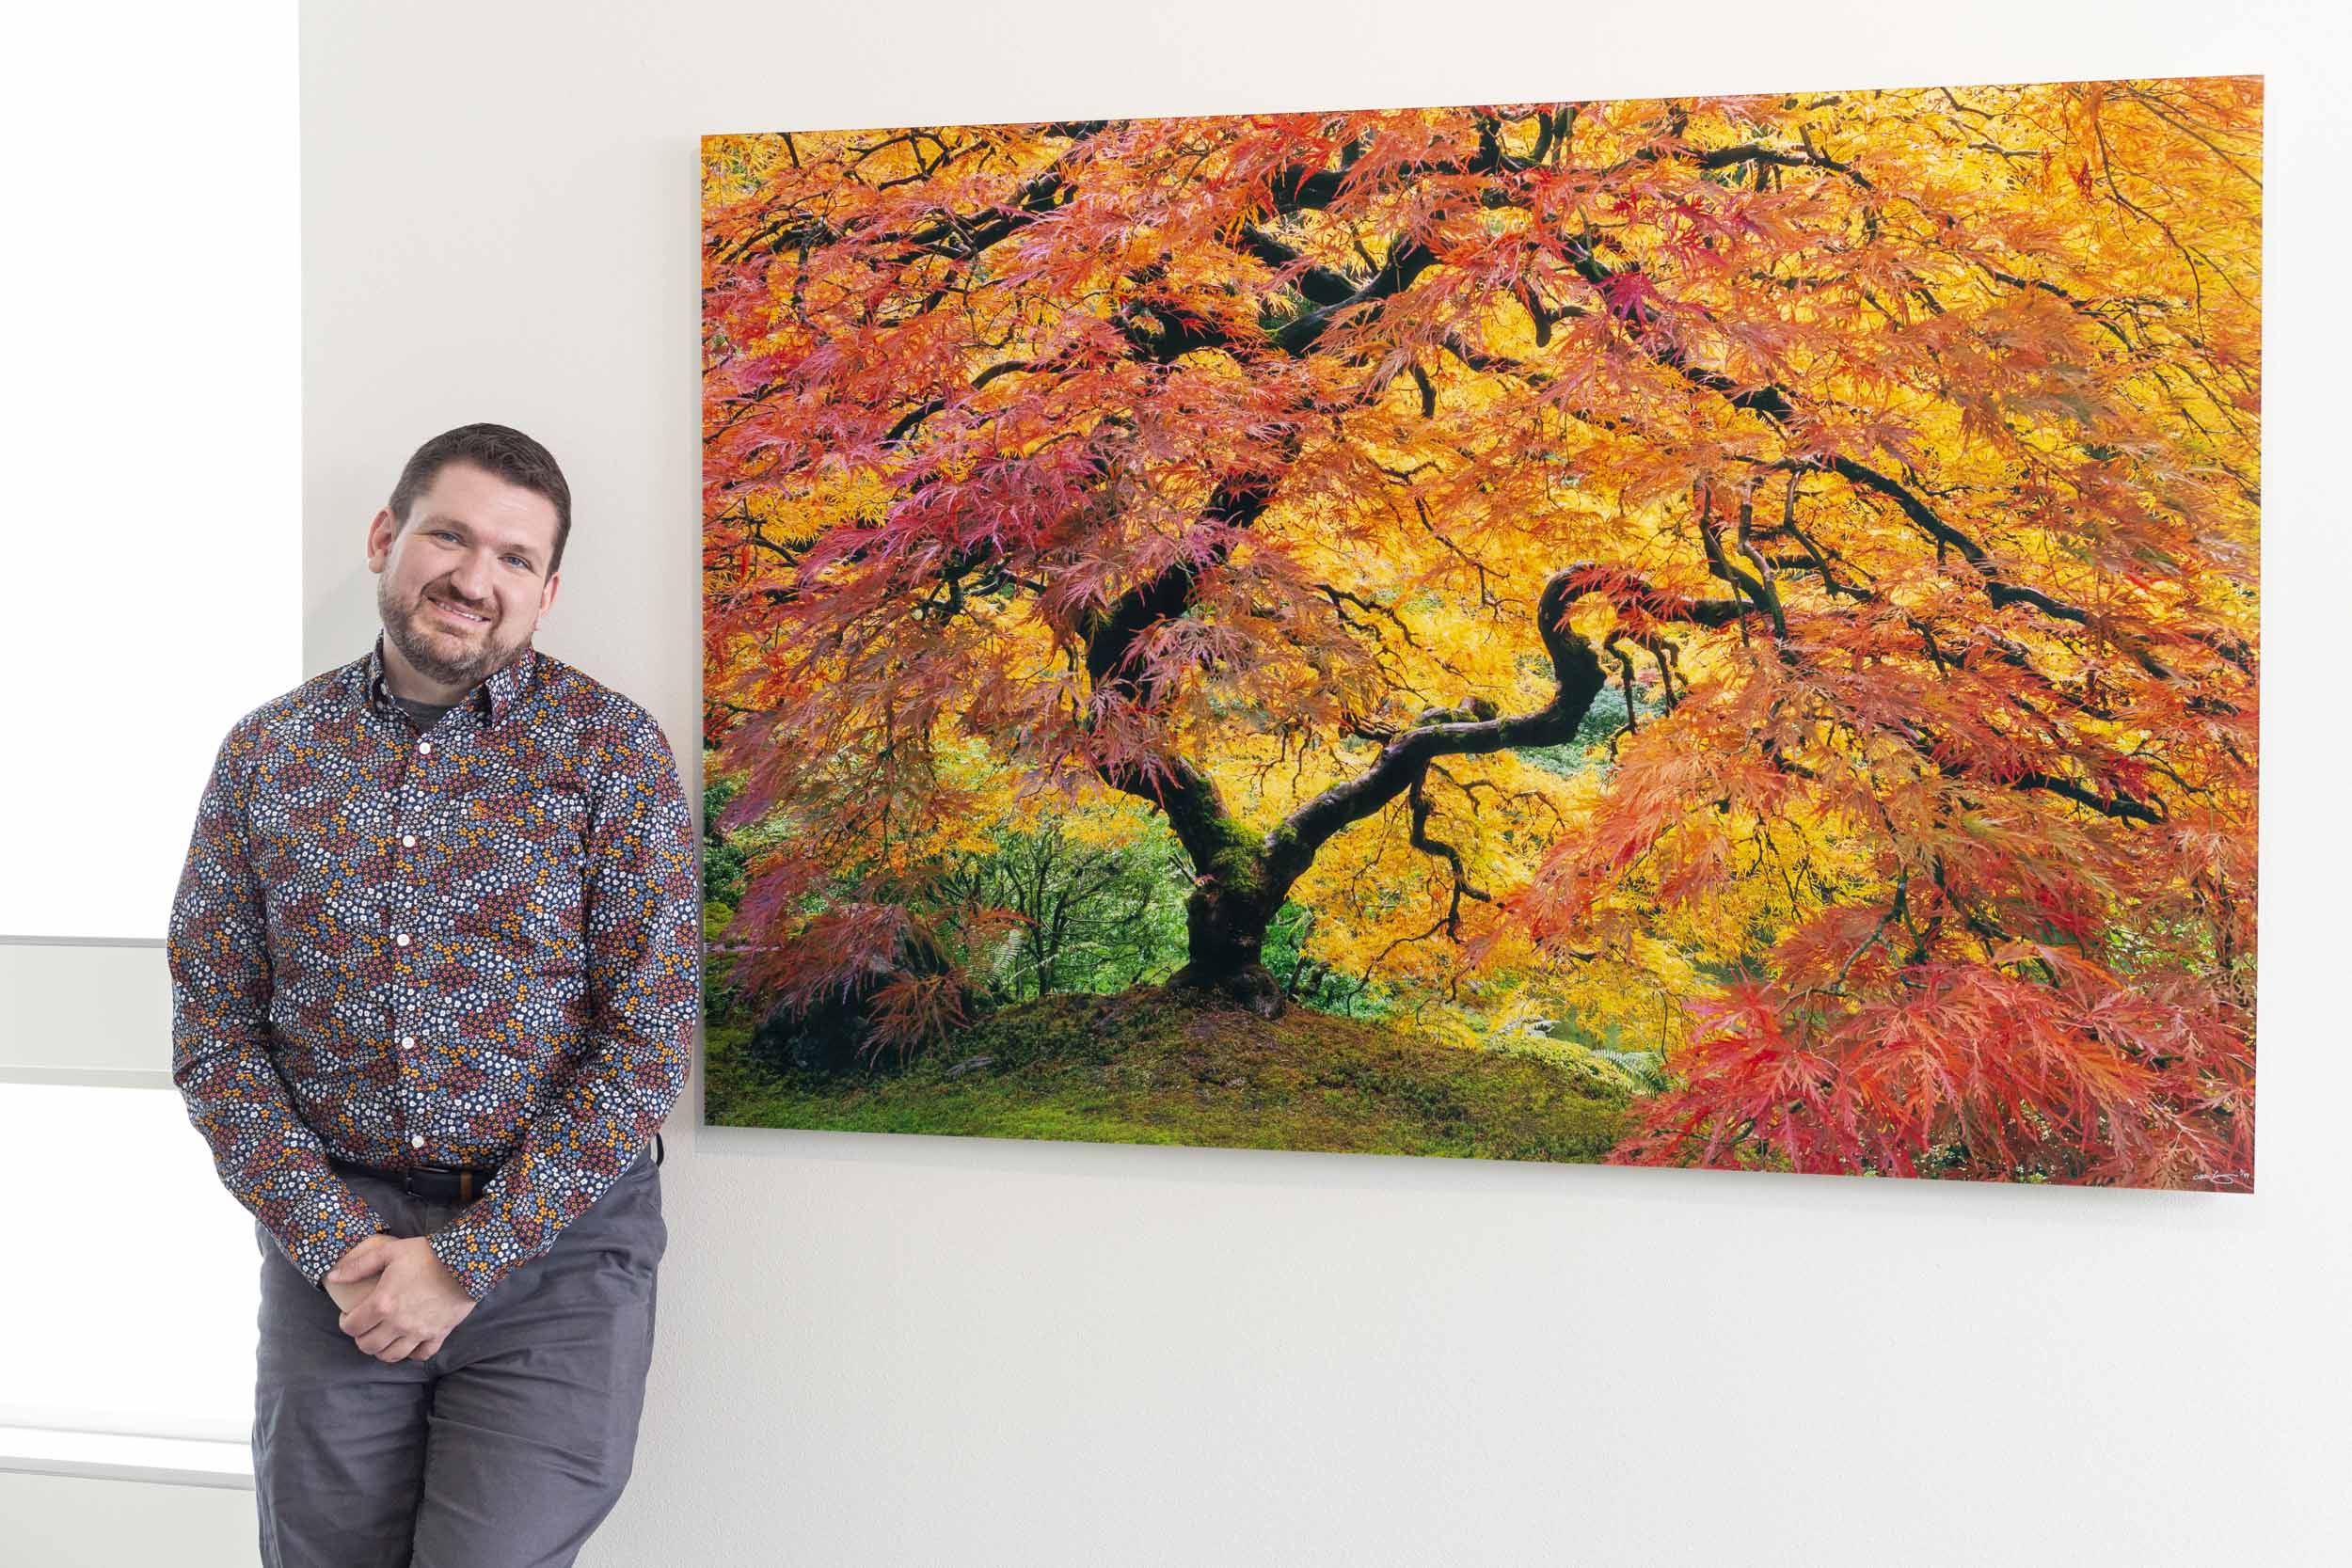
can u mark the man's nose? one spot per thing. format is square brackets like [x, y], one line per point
[473, 579]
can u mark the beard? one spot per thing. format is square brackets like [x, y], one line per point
[438, 654]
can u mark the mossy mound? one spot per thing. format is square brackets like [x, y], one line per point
[1144, 1066]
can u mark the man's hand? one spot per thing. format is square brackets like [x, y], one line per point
[349, 1281]
[414, 1304]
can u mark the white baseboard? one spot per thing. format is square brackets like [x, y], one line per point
[114, 1456]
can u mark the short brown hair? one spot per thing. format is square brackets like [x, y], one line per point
[497, 450]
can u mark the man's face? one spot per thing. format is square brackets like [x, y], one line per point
[462, 587]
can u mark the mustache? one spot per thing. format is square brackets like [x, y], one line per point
[488, 612]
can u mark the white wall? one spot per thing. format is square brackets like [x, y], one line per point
[150, 542]
[883, 1350]
[148, 303]
[77, 1521]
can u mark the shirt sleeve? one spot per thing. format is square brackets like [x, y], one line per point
[642, 904]
[217, 948]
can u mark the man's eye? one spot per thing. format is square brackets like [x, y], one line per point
[520, 562]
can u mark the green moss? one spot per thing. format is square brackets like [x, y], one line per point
[1144, 1067]
[1237, 862]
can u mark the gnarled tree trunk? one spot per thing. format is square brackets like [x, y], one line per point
[1242, 879]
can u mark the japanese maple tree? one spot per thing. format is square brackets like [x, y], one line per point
[1781, 568]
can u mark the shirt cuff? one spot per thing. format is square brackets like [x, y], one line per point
[464, 1259]
[322, 1243]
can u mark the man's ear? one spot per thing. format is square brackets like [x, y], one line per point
[381, 528]
[546, 594]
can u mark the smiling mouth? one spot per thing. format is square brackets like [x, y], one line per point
[463, 617]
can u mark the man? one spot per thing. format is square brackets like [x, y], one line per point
[435, 960]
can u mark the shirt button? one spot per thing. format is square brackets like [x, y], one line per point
[426, 747]
[416, 1140]
[409, 841]
[408, 1042]
[402, 938]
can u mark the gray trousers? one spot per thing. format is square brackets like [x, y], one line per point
[506, 1448]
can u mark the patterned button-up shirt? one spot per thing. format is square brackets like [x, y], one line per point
[479, 946]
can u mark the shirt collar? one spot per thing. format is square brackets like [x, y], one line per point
[498, 691]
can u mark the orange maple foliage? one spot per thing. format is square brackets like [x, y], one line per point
[1312, 479]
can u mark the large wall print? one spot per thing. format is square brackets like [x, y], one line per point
[1710, 631]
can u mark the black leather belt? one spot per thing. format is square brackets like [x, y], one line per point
[434, 1184]
[442, 1183]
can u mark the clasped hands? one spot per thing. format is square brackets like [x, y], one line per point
[411, 1306]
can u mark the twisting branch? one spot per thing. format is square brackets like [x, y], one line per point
[1773, 157]
[1616, 645]
[1757, 588]
[1114, 633]
[1417, 799]
[1645, 324]
[1576, 669]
